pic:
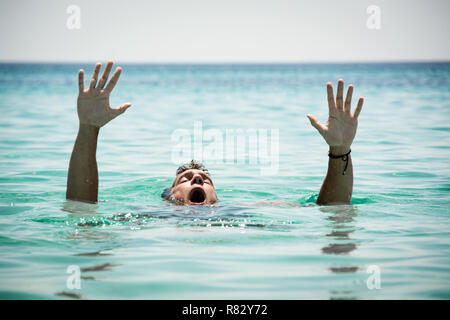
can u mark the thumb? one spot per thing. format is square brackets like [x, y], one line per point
[121, 109]
[316, 124]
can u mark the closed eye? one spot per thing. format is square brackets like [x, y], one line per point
[207, 180]
[183, 180]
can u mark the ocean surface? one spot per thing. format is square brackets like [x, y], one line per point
[392, 242]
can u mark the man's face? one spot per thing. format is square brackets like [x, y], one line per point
[194, 187]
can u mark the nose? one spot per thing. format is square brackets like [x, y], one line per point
[197, 179]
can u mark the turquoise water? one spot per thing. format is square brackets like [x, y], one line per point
[132, 245]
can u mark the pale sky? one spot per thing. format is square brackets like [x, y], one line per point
[224, 31]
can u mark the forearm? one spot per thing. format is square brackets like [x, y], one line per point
[337, 188]
[82, 178]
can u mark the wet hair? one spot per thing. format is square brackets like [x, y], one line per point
[192, 165]
[167, 194]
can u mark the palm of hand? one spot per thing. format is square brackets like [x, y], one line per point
[340, 128]
[94, 109]
[93, 104]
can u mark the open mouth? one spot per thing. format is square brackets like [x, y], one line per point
[197, 196]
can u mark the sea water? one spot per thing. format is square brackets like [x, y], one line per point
[266, 238]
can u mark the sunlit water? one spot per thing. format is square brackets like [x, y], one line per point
[133, 245]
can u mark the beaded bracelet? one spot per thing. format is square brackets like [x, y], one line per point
[344, 158]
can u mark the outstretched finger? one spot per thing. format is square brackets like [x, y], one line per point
[359, 107]
[340, 94]
[330, 94]
[316, 124]
[112, 83]
[105, 75]
[348, 99]
[95, 76]
[81, 81]
[118, 111]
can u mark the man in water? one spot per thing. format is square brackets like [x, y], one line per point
[193, 184]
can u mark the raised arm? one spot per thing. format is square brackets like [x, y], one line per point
[94, 112]
[339, 132]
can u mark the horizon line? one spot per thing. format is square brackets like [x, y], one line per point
[274, 62]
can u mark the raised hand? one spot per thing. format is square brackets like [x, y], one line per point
[93, 104]
[340, 128]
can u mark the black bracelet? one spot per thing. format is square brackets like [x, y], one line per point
[344, 158]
